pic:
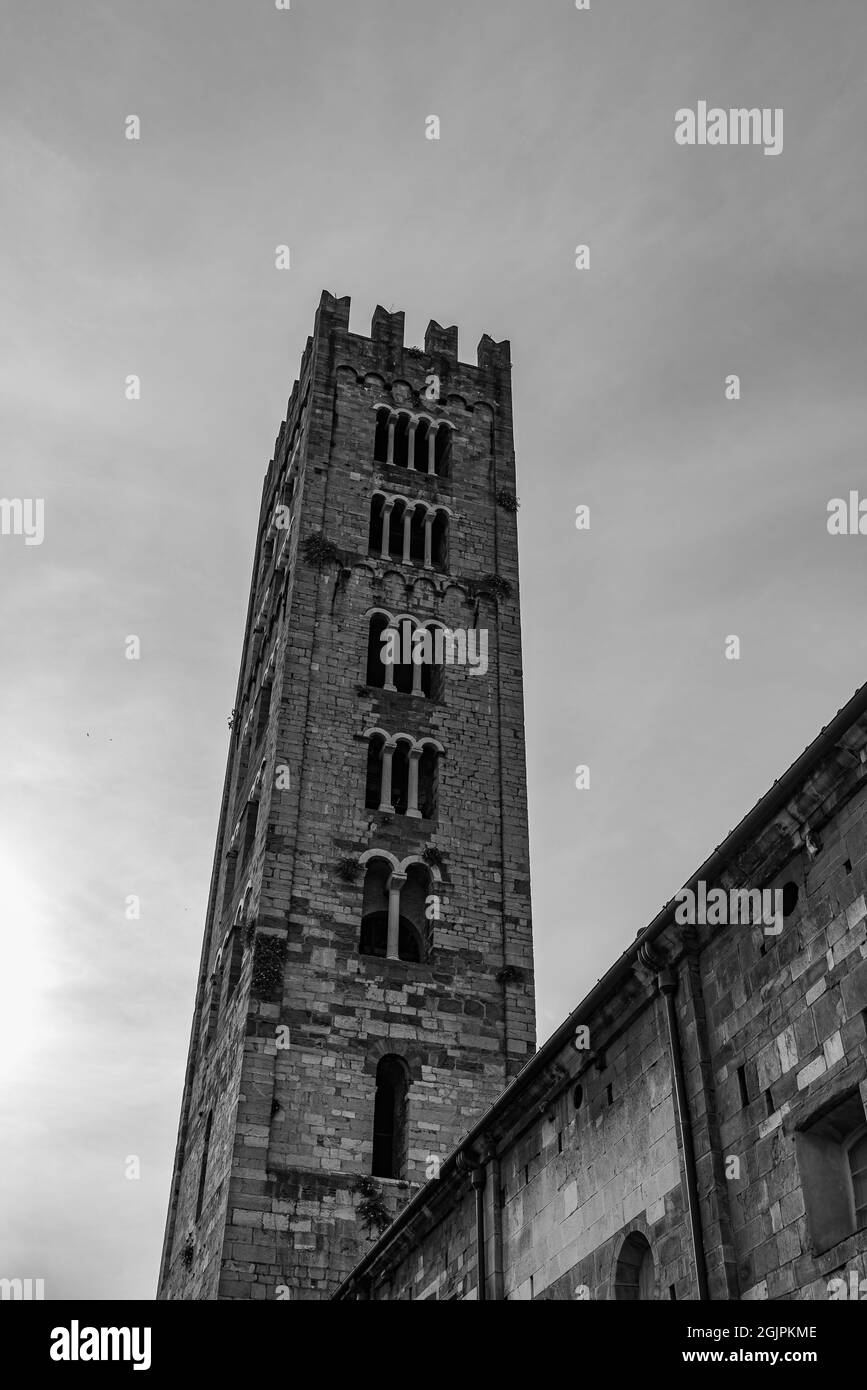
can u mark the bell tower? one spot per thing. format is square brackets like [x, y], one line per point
[365, 989]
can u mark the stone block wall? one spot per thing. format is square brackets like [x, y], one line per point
[585, 1163]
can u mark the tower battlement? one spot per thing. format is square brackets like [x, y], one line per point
[387, 332]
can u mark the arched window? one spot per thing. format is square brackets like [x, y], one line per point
[401, 440]
[399, 512]
[264, 709]
[421, 453]
[402, 775]
[411, 533]
[231, 872]
[856, 1160]
[390, 1118]
[380, 444]
[373, 784]
[387, 775]
[443, 454]
[440, 541]
[374, 532]
[392, 644]
[212, 1004]
[415, 442]
[233, 955]
[635, 1278]
[428, 781]
[413, 897]
[382, 900]
[203, 1170]
[417, 534]
[376, 668]
[433, 666]
[251, 817]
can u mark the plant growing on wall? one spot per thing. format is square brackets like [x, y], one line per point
[507, 500]
[347, 869]
[494, 586]
[268, 963]
[371, 1208]
[511, 974]
[317, 550]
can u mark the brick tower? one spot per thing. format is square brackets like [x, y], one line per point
[365, 989]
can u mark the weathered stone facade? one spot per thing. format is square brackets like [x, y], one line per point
[707, 1136]
[297, 1003]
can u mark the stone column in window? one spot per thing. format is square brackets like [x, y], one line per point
[392, 421]
[407, 531]
[385, 781]
[428, 540]
[386, 525]
[394, 885]
[432, 447]
[388, 683]
[412, 785]
[416, 669]
[410, 444]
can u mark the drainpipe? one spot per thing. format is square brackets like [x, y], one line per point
[496, 1230]
[468, 1161]
[477, 1179]
[667, 982]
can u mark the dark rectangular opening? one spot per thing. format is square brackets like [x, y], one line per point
[742, 1086]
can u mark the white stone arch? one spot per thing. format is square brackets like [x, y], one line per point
[255, 791]
[377, 611]
[403, 738]
[244, 904]
[417, 859]
[386, 854]
[370, 733]
[428, 742]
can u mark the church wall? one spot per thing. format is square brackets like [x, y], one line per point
[772, 1033]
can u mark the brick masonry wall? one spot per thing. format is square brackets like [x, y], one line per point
[794, 1018]
[290, 1074]
[772, 1036]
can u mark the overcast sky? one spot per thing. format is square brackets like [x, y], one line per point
[708, 516]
